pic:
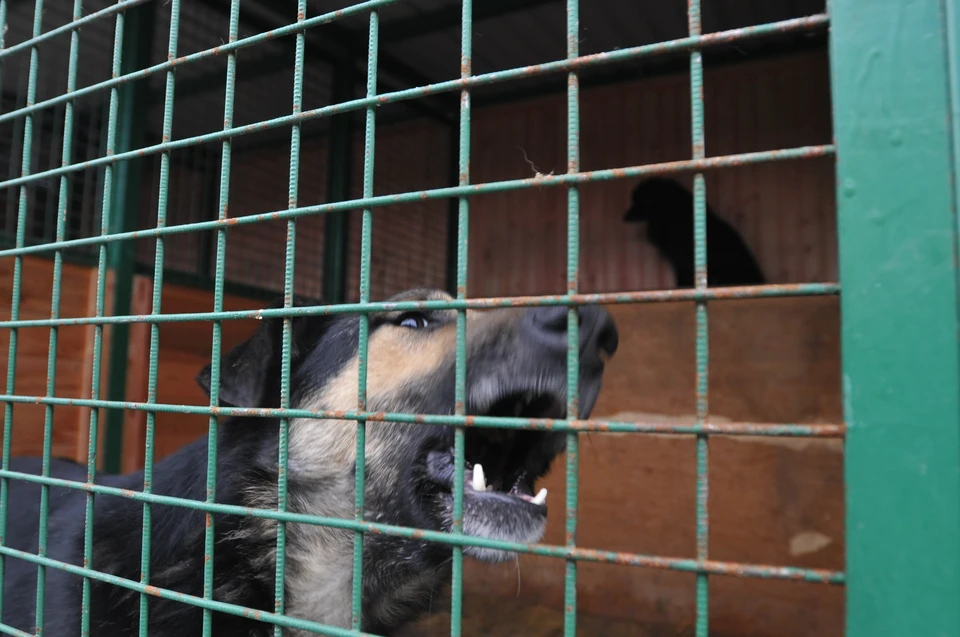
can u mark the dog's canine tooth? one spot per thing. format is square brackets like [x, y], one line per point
[541, 497]
[479, 482]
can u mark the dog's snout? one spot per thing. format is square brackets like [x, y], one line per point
[598, 333]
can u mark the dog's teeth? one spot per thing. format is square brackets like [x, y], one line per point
[479, 482]
[541, 497]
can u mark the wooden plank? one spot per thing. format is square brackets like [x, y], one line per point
[72, 356]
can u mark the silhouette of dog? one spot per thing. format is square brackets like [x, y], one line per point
[667, 207]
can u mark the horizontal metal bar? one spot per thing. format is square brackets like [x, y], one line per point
[26, 45]
[566, 65]
[685, 565]
[232, 609]
[542, 181]
[481, 422]
[609, 298]
[223, 49]
[10, 630]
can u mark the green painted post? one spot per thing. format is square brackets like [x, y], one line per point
[897, 197]
[339, 165]
[137, 42]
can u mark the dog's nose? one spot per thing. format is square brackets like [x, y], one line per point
[598, 333]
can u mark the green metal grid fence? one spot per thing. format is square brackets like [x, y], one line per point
[877, 402]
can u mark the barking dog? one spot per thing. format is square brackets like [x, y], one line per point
[516, 366]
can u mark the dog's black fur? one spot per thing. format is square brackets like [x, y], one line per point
[516, 363]
[667, 207]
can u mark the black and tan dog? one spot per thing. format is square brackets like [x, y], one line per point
[516, 367]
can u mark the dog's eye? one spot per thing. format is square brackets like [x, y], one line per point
[412, 320]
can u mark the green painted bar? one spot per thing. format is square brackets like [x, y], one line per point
[462, 274]
[22, 220]
[155, 308]
[7, 630]
[729, 429]
[224, 49]
[698, 138]
[70, 27]
[719, 38]
[897, 211]
[733, 569]
[366, 247]
[61, 225]
[545, 181]
[573, 319]
[657, 296]
[290, 251]
[208, 605]
[212, 428]
[105, 222]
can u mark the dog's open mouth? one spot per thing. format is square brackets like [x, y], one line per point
[502, 465]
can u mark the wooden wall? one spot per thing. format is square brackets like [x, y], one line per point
[772, 500]
[184, 350]
[74, 355]
[785, 210]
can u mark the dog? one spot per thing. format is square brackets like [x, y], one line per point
[516, 366]
[667, 207]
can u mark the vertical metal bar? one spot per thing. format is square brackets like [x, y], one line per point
[163, 199]
[14, 315]
[463, 231]
[65, 159]
[138, 39]
[573, 323]
[106, 210]
[339, 168]
[293, 196]
[22, 212]
[702, 343]
[366, 243]
[11, 360]
[897, 210]
[225, 155]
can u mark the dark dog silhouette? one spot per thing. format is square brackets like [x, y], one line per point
[667, 207]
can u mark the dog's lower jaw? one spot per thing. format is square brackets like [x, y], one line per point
[483, 528]
[498, 517]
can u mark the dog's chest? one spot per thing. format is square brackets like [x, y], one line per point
[319, 586]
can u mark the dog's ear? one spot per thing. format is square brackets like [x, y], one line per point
[250, 372]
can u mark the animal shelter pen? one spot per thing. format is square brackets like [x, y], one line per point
[895, 95]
